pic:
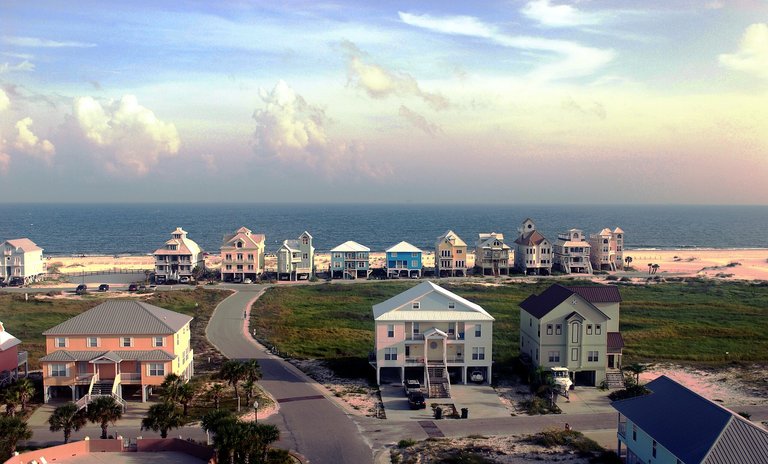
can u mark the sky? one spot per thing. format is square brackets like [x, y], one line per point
[529, 101]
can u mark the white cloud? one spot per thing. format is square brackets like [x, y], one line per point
[129, 137]
[5, 102]
[419, 121]
[43, 43]
[544, 12]
[27, 142]
[575, 60]
[752, 55]
[20, 67]
[379, 82]
[292, 132]
[5, 159]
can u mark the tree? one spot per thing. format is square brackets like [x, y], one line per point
[215, 393]
[67, 417]
[185, 394]
[649, 267]
[11, 400]
[637, 369]
[170, 386]
[233, 372]
[26, 391]
[655, 268]
[261, 436]
[251, 374]
[248, 389]
[12, 431]
[213, 421]
[628, 260]
[104, 410]
[162, 417]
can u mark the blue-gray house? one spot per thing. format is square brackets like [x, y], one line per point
[673, 425]
[404, 260]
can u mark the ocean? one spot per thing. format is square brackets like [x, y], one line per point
[112, 229]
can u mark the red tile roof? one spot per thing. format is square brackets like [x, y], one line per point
[615, 342]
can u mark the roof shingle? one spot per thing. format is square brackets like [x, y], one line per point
[122, 317]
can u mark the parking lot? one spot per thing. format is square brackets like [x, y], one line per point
[480, 400]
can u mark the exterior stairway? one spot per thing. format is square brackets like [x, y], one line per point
[103, 388]
[614, 379]
[439, 384]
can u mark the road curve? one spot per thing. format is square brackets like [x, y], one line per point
[310, 423]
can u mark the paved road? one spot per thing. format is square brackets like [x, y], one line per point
[310, 423]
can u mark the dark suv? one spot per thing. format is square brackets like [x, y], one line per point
[104, 287]
[81, 289]
[16, 282]
[416, 400]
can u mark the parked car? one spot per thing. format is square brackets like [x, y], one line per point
[16, 282]
[247, 281]
[416, 400]
[104, 287]
[81, 289]
[133, 288]
[184, 280]
[142, 288]
[411, 385]
[477, 377]
[237, 280]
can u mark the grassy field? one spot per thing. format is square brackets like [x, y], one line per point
[28, 319]
[695, 321]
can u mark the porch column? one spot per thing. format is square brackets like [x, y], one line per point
[489, 374]
[378, 377]
[402, 374]
[74, 389]
[445, 351]
[465, 374]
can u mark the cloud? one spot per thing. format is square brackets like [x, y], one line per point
[20, 67]
[549, 15]
[575, 60]
[290, 131]
[419, 121]
[27, 142]
[752, 55]
[714, 5]
[37, 42]
[379, 82]
[594, 108]
[126, 137]
[210, 162]
[5, 159]
[5, 102]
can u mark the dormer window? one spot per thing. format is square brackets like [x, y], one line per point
[239, 244]
[416, 305]
[305, 240]
[451, 305]
[172, 247]
[177, 236]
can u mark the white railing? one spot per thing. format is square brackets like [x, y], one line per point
[454, 359]
[88, 399]
[116, 385]
[22, 358]
[130, 376]
[84, 378]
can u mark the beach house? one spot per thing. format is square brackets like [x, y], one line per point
[575, 327]
[177, 258]
[10, 357]
[674, 425]
[21, 259]
[242, 255]
[491, 254]
[404, 260]
[607, 249]
[450, 255]
[432, 335]
[119, 348]
[571, 253]
[296, 258]
[350, 261]
[533, 252]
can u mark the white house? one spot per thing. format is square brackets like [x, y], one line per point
[492, 254]
[21, 258]
[572, 252]
[296, 258]
[432, 335]
[533, 252]
[177, 258]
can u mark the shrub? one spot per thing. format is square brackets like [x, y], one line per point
[612, 277]
[630, 392]
[406, 443]
[745, 415]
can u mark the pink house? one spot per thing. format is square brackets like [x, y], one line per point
[10, 357]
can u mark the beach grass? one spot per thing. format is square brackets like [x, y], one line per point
[696, 321]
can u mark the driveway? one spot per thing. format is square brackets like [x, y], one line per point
[310, 423]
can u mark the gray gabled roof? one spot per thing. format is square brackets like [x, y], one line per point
[122, 317]
[116, 356]
[692, 428]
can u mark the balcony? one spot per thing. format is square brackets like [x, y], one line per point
[85, 379]
[130, 377]
[454, 359]
[623, 429]
[414, 360]
[22, 358]
[420, 337]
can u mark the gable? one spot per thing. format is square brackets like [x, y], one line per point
[434, 304]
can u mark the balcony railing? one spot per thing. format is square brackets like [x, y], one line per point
[22, 358]
[623, 429]
[418, 337]
[130, 377]
[414, 360]
[454, 359]
[82, 379]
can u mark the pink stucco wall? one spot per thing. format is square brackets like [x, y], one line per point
[9, 359]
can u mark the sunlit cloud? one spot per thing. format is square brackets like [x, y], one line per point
[19, 67]
[574, 60]
[752, 55]
[5, 102]
[549, 15]
[29, 143]
[36, 42]
[419, 121]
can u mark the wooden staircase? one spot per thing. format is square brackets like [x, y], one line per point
[614, 379]
[438, 382]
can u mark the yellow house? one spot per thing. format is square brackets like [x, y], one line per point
[119, 348]
[450, 255]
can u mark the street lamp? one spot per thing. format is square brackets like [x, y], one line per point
[256, 411]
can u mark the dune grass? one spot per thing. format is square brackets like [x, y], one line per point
[696, 321]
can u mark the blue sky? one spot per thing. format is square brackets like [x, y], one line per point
[538, 101]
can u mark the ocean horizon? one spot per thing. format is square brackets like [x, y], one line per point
[140, 228]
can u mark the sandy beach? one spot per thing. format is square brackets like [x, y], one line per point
[744, 264]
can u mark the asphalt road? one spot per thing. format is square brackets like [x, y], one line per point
[310, 423]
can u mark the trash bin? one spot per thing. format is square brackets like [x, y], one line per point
[438, 413]
[464, 413]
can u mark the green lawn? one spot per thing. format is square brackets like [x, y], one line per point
[696, 321]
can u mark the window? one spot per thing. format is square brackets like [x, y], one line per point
[126, 342]
[390, 354]
[304, 240]
[416, 328]
[390, 330]
[634, 432]
[575, 329]
[458, 252]
[589, 329]
[414, 263]
[239, 244]
[653, 450]
[250, 256]
[239, 256]
[478, 330]
[250, 267]
[598, 329]
[229, 267]
[451, 305]
[414, 255]
[60, 342]
[574, 354]
[558, 329]
[158, 341]
[592, 356]
[227, 256]
[554, 356]
[416, 305]
[305, 256]
[549, 329]
[59, 370]
[407, 350]
[156, 369]
[478, 353]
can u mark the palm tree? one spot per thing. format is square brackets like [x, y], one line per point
[637, 369]
[185, 394]
[215, 393]
[232, 371]
[170, 386]
[11, 400]
[213, 421]
[12, 431]
[67, 417]
[228, 441]
[649, 267]
[248, 388]
[162, 417]
[655, 268]
[628, 260]
[104, 410]
[26, 391]
[263, 435]
[252, 370]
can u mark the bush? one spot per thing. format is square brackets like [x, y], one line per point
[406, 443]
[537, 405]
[571, 438]
[630, 392]
[612, 277]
